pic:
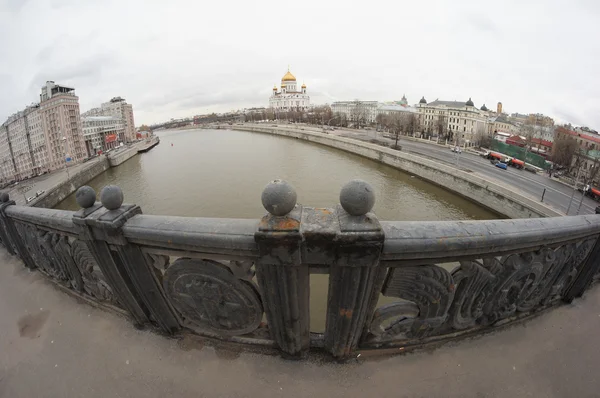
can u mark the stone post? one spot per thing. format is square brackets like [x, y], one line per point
[10, 237]
[123, 264]
[283, 279]
[6, 241]
[355, 278]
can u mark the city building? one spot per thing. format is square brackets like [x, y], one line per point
[7, 167]
[361, 112]
[102, 133]
[117, 107]
[501, 123]
[460, 120]
[394, 109]
[501, 136]
[43, 137]
[59, 110]
[586, 130]
[25, 155]
[537, 119]
[519, 118]
[499, 108]
[289, 98]
[587, 160]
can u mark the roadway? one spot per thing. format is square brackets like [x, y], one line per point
[45, 182]
[527, 183]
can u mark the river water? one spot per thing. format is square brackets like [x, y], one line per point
[221, 173]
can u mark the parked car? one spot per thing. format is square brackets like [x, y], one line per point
[29, 199]
[456, 149]
[39, 193]
[500, 165]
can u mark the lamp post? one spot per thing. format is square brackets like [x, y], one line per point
[574, 189]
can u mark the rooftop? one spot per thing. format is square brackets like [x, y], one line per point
[449, 104]
[396, 108]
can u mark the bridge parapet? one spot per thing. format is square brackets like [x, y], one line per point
[391, 284]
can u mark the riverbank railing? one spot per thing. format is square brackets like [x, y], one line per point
[392, 285]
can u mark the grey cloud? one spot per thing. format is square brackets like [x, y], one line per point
[482, 23]
[15, 5]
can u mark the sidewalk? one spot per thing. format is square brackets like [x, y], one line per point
[54, 346]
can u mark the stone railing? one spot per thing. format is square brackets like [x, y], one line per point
[248, 281]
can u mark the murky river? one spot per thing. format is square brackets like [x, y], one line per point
[221, 173]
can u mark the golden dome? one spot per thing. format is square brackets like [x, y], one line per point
[274, 88]
[288, 77]
[283, 85]
[303, 85]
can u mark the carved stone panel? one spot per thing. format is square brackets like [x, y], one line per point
[41, 247]
[94, 282]
[480, 292]
[428, 291]
[472, 280]
[516, 277]
[210, 298]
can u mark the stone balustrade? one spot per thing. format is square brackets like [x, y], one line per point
[248, 281]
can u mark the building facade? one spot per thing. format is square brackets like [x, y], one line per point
[41, 137]
[289, 98]
[497, 124]
[59, 109]
[460, 120]
[24, 150]
[361, 112]
[7, 167]
[587, 160]
[538, 119]
[102, 133]
[117, 107]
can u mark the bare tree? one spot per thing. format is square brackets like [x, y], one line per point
[441, 126]
[563, 150]
[338, 119]
[413, 124]
[528, 130]
[380, 120]
[593, 172]
[358, 115]
[398, 123]
[482, 138]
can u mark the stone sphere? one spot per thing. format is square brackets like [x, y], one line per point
[279, 197]
[85, 197]
[4, 197]
[357, 197]
[111, 197]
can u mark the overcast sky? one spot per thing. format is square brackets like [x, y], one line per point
[177, 58]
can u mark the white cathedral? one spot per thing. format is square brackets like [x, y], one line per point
[289, 98]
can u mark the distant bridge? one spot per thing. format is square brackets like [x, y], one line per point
[173, 124]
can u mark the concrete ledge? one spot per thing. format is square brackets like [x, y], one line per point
[496, 197]
[122, 155]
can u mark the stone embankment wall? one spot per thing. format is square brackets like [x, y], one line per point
[116, 158]
[57, 194]
[498, 198]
